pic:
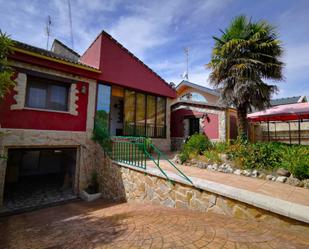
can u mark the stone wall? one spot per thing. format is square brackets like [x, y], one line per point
[17, 138]
[177, 143]
[124, 183]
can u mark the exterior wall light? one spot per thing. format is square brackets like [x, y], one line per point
[84, 89]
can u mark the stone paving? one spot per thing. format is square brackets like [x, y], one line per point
[104, 225]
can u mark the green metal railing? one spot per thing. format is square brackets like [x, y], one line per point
[135, 151]
[162, 156]
[129, 150]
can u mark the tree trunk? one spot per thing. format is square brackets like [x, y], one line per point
[242, 123]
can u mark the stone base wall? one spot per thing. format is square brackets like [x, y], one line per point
[121, 183]
[163, 144]
[18, 138]
[177, 143]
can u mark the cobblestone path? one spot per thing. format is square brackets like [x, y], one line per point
[102, 225]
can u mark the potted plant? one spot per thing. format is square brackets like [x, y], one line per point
[91, 192]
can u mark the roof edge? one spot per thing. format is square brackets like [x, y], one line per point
[60, 61]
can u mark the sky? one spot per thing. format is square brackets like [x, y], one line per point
[157, 32]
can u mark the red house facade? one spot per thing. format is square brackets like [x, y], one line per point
[197, 110]
[47, 120]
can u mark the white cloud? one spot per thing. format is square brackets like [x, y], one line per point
[297, 56]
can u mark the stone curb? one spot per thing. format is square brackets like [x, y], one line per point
[275, 205]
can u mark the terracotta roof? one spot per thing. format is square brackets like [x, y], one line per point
[44, 52]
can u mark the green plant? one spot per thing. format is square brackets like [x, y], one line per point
[93, 186]
[270, 156]
[6, 72]
[244, 56]
[221, 147]
[295, 158]
[212, 156]
[101, 132]
[196, 144]
[263, 156]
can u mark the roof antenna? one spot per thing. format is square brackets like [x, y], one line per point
[48, 30]
[71, 26]
[185, 75]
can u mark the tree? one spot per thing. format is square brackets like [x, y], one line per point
[246, 54]
[6, 72]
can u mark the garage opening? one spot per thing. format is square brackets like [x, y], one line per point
[36, 177]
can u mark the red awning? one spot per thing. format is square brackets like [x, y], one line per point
[281, 113]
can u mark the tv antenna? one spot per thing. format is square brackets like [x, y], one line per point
[48, 30]
[185, 75]
[71, 25]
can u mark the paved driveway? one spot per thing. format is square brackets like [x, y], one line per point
[101, 225]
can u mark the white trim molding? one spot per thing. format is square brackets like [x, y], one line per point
[20, 88]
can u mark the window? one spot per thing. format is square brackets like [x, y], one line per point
[151, 116]
[47, 94]
[144, 114]
[129, 112]
[140, 114]
[160, 117]
[103, 106]
[193, 96]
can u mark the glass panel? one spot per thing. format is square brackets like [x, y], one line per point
[36, 95]
[140, 114]
[161, 109]
[193, 96]
[129, 112]
[58, 97]
[47, 94]
[151, 116]
[103, 107]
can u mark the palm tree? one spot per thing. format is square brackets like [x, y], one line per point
[246, 54]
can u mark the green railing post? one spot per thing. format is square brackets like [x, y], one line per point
[134, 151]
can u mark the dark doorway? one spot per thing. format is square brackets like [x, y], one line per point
[36, 177]
[194, 126]
[116, 116]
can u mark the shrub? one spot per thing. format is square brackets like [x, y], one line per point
[238, 151]
[196, 144]
[212, 156]
[270, 156]
[101, 132]
[295, 158]
[221, 147]
[263, 156]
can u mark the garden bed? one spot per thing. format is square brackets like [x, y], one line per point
[272, 161]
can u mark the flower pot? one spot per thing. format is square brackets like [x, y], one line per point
[89, 197]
